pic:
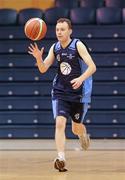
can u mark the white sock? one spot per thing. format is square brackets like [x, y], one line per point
[61, 155]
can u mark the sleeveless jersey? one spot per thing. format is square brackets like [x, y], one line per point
[70, 66]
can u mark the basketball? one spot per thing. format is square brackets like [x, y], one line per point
[35, 29]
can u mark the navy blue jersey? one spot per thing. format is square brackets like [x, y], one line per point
[70, 66]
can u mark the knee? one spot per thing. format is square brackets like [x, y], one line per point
[60, 123]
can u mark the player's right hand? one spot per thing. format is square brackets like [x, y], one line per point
[34, 50]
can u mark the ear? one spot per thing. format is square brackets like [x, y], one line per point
[70, 31]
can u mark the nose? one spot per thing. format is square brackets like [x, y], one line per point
[59, 32]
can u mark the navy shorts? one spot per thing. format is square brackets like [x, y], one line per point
[74, 110]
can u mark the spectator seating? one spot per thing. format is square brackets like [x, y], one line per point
[53, 14]
[8, 17]
[91, 3]
[26, 14]
[123, 15]
[89, 31]
[110, 15]
[12, 88]
[114, 3]
[98, 45]
[84, 15]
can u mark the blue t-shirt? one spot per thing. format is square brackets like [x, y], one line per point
[70, 66]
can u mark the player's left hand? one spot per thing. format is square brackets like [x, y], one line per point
[76, 83]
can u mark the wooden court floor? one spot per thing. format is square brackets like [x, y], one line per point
[37, 164]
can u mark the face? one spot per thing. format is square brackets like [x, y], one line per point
[63, 31]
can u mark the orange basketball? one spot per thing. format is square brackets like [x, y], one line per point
[35, 29]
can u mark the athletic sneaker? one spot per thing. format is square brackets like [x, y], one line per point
[84, 141]
[60, 165]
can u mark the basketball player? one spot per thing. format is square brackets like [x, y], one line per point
[72, 85]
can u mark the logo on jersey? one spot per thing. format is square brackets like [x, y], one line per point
[77, 116]
[58, 57]
[64, 54]
[65, 68]
[62, 112]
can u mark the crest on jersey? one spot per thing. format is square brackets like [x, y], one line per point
[65, 68]
[58, 57]
[70, 56]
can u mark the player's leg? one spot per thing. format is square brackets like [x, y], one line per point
[60, 136]
[60, 162]
[78, 128]
[60, 114]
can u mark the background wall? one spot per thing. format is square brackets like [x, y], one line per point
[20, 4]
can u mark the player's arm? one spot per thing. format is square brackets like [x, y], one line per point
[84, 54]
[43, 65]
